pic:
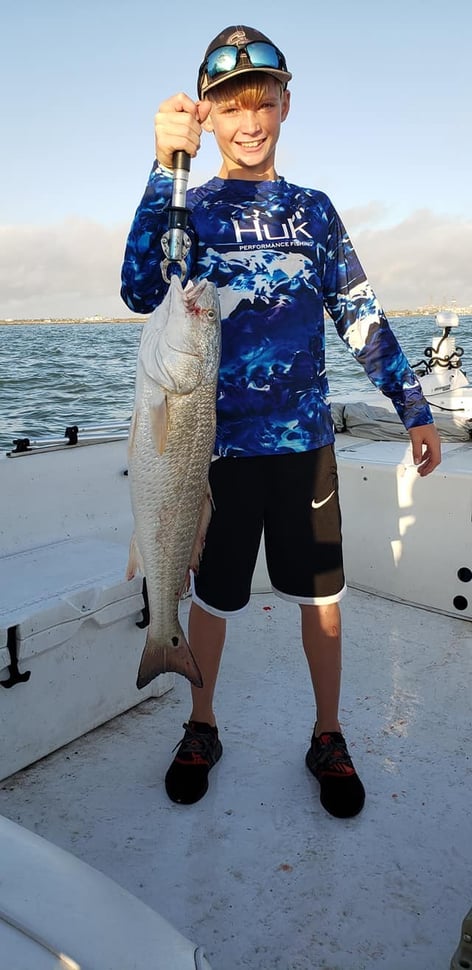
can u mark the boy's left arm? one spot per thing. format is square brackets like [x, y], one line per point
[364, 328]
[426, 448]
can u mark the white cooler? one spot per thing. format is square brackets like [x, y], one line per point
[69, 645]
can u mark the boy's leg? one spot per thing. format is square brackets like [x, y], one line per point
[341, 790]
[206, 637]
[304, 556]
[221, 588]
[187, 778]
[321, 636]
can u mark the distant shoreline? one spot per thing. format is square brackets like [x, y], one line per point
[61, 321]
[429, 311]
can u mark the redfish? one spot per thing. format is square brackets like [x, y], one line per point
[171, 443]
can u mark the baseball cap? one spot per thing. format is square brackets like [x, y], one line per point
[240, 50]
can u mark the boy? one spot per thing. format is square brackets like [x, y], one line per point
[279, 255]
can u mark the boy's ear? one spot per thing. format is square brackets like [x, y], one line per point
[285, 104]
[203, 114]
[207, 124]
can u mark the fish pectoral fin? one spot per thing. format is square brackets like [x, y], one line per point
[158, 418]
[135, 559]
[201, 530]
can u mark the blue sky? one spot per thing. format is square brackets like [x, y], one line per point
[380, 120]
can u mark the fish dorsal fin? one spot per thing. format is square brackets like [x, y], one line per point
[158, 418]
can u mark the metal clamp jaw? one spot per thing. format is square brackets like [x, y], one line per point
[175, 242]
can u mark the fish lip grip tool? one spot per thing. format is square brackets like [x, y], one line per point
[176, 242]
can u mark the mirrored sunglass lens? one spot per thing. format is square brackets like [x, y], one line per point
[262, 55]
[221, 61]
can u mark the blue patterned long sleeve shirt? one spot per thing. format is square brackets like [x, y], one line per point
[279, 256]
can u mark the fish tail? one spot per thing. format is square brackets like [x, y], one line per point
[172, 657]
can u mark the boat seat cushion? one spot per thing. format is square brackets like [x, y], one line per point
[363, 420]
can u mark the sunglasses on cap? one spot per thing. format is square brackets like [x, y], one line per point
[224, 59]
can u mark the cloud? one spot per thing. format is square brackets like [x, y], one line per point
[72, 269]
[425, 259]
[360, 216]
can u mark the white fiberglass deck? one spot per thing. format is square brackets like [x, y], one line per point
[257, 872]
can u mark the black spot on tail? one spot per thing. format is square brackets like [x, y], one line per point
[175, 641]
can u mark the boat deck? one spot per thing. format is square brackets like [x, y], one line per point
[257, 872]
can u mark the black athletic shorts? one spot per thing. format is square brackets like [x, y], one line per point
[294, 499]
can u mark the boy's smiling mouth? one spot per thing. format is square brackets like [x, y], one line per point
[251, 144]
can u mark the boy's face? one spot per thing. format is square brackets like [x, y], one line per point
[246, 126]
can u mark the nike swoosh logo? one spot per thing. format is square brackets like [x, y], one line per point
[317, 505]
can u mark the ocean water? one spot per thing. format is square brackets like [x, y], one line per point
[56, 375]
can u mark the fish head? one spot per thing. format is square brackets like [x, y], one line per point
[180, 345]
[204, 329]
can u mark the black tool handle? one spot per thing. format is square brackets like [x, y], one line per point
[181, 159]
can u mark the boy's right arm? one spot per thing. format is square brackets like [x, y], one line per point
[177, 127]
[142, 284]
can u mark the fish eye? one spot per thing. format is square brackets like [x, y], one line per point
[211, 315]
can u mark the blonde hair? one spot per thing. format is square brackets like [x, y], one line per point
[247, 89]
